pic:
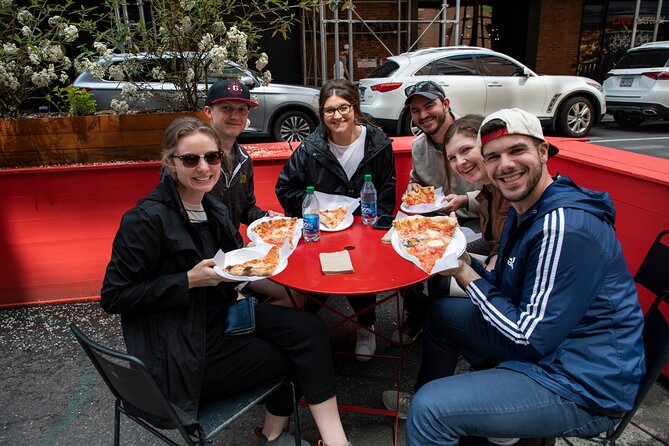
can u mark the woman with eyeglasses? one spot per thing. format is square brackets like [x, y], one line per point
[334, 159]
[161, 280]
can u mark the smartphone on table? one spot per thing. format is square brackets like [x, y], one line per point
[384, 222]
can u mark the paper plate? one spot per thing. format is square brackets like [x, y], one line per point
[453, 250]
[243, 255]
[345, 223]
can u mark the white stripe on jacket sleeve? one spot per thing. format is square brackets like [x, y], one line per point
[544, 280]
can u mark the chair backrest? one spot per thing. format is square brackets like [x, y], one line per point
[130, 381]
[653, 274]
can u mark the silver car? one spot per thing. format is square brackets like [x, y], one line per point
[479, 80]
[285, 112]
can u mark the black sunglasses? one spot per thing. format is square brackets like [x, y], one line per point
[420, 87]
[190, 160]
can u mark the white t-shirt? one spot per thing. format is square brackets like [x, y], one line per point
[350, 156]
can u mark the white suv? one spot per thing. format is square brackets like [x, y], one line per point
[638, 87]
[479, 80]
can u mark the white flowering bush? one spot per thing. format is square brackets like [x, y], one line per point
[34, 36]
[189, 44]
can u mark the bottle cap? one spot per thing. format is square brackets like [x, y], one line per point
[368, 177]
[310, 189]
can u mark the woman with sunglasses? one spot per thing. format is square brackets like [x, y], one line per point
[334, 159]
[173, 304]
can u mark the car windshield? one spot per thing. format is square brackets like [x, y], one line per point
[385, 70]
[655, 58]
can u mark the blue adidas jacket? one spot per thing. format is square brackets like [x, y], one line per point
[561, 290]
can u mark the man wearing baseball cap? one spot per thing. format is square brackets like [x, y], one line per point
[557, 320]
[431, 113]
[228, 104]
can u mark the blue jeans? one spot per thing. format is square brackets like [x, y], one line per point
[495, 402]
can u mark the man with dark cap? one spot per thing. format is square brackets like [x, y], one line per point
[431, 113]
[228, 104]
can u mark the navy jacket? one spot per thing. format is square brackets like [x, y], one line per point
[562, 292]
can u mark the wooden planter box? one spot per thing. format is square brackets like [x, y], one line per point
[83, 139]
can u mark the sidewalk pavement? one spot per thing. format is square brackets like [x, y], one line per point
[51, 395]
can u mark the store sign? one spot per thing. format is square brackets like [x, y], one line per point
[650, 20]
[643, 20]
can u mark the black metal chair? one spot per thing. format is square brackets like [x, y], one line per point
[133, 386]
[653, 274]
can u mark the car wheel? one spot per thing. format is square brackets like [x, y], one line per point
[625, 120]
[406, 123]
[576, 117]
[293, 126]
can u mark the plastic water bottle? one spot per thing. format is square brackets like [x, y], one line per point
[311, 230]
[368, 201]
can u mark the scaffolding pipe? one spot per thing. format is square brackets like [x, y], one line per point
[314, 48]
[324, 54]
[303, 46]
[337, 71]
[657, 19]
[349, 59]
[636, 17]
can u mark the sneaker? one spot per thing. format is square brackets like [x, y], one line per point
[365, 344]
[390, 400]
[503, 441]
[408, 332]
[285, 439]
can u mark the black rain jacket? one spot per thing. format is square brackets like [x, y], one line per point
[164, 322]
[313, 164]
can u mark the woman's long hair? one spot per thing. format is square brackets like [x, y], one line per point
[344, 89]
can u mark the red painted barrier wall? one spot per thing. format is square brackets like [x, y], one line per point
[57, 224]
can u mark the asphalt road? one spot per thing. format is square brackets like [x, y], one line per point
[649, 138]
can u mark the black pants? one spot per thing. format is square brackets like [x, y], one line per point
[357, 302]
[286, 344]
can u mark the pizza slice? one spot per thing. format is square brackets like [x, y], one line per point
[331, 218]
[424, 195]
[276, 230]
[262, 266]
[426, 238]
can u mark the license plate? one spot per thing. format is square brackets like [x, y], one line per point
[626, 81]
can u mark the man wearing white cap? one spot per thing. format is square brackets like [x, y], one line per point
[557, 321]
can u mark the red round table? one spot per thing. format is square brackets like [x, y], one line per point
[377, 266]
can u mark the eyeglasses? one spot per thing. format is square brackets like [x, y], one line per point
[342, 109]
[421, 87]
[191, 160]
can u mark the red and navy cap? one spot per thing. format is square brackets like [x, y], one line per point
[229, 90]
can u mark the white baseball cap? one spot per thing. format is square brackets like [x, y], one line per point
[518, 122]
